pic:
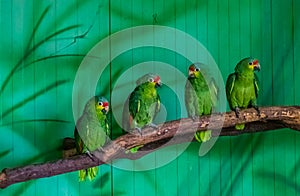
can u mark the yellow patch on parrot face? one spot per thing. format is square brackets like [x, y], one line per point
[152, 84]
[251, 67]
[99, 107]
[196, 73]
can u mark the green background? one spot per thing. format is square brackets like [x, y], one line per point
[39, 64]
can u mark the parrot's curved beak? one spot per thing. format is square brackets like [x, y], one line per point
[158, 83]
[256, 67]
[105, 110]
[191, 74]
[105, 107]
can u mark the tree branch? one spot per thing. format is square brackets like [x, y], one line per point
[170, 133]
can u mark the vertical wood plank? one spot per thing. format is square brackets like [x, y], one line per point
[223, 144]
[257, 30]
[235, 56]
[267, 96]
[23, 141]
[187, 20]
[123, 181]
[256, 34]
[234, 33]
[245, 28]
[183, 169]
[245, 48]
[283, 67]
[164, 13]
[212, 28]
[6, 40]
[296, 38]
[68, 183]
[203, 13]
[213, 34]
[223, 59]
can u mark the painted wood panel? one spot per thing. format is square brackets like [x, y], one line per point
[49, 53]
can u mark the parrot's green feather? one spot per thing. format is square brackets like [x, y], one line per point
[256, 85]
[230, 84]
[144, 104]
[240, 127]
[82, 174]
[242, 87]
[203, 136]
[200, 98]
[134, 149]
[91, 132]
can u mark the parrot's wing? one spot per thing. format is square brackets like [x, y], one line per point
[189, 98]
[96, 137]
[81, 134]
[90, 133]
[133, 104]
[126, 117]
[256, 85]
[214, 91]
[229, 85]
[107, 130]
[158, 104]
[78, 141]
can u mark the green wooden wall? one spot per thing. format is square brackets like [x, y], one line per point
[39, 57]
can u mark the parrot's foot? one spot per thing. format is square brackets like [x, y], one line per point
[91, 155]
[203, 136]
[152, 125]
[194, 118]
[100, 148]
[257, 109]
[237, 112]
[139, 130]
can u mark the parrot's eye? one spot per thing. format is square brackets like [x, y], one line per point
[100, 103]
[197, 69]
[151, 80]
[250, 63]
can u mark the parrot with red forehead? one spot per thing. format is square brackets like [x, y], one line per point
[200, 97]
[91, 131]
[242, 87]
[143, 104]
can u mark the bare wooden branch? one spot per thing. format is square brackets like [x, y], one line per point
[170, 133]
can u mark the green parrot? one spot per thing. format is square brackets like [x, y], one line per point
[200, 97]
[143, 104]
[91, 131]
[242, 87]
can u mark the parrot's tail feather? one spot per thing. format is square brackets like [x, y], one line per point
[82, 174]
[91, 173]
[240, 127]
[203, 136]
